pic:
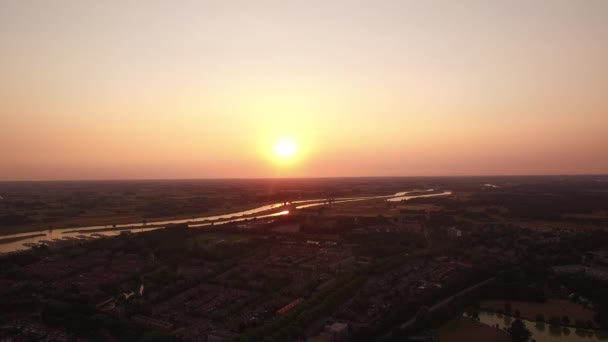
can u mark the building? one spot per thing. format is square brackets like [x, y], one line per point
[339, 331]
[600, 257]
[289, 306]
[592, 272]
[335, 332]
[454, 232]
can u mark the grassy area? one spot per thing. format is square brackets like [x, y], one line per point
[418, 207]
[464, 329]
[553, 307]
[111, 218]
[374, 207]
[209, 239]
[371, 207]
[561, 224]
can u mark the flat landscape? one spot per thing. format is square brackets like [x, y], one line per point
[368, 269]
[31, 206]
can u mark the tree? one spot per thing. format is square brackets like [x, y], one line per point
[519, 331]
[508, 308]
[540, 318]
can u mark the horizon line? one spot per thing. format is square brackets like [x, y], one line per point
[301, 178]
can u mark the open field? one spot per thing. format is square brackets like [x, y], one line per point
[553, 307]
[209, 239]
[464, 329]
[593, 215]
[576, 202]
[357, 208]
[372, 208]
[111, 219]
[34, 206]
[571, 225]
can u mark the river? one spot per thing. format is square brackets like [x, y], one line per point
[280, 208]
[542, 332]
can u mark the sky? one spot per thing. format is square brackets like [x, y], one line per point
[205, 89]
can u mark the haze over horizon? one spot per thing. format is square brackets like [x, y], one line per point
[237, 89]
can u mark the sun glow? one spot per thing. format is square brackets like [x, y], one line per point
[285, 148]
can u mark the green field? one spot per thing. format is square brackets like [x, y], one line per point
[212, 239]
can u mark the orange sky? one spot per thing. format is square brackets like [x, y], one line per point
[204, 89]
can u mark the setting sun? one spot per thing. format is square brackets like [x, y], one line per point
[285, 148]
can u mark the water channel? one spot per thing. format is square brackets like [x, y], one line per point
[22, 241]
[543, 332]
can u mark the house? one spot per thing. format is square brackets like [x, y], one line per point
[335, 332]
[289, 306]
[454, 232]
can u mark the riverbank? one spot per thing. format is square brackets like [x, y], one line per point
[265, 211]
[19, 238]
[130, 220]
[134, 220]
[194, 222]
[552, 308]
[542, 332]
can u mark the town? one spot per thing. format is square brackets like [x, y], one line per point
[353, 271]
